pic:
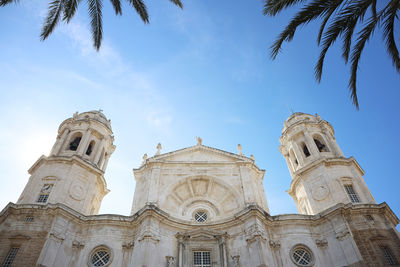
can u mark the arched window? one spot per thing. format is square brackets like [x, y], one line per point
[75, 142]
[302, 255]
[90, 148]
[305, 150]
[320, 144]
[101, 256]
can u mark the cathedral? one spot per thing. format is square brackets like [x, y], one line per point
[197, 207]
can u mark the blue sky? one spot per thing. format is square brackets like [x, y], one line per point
[202, 71]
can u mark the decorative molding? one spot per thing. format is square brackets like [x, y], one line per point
[57, 238]
[321, 242]
[77, 244]
[275, 244]
[236, 260]
[170, 261]
[342, 235]
[128, 245]
[254, 233]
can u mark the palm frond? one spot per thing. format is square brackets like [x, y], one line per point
[388, 32]
[355, 12]
[325, 21]
[315, 9]
[363, 37]
[70, 7]
[53, 16]
[344, 23]
[117, 6]
[141, 9]
[273, 7]
[177, 2]
[95, 14]
[6, 2]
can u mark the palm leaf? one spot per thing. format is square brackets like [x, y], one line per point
[96, 22]
[315, 9]
[388, 29]
[355, 12]
[345, 22]
[117, 6]
[6, 2]
[363, 37]
[177, 2]
[53, 16]
[273, 7]
[141, 9]
[70, 7]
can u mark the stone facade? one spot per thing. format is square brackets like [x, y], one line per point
[198, 207]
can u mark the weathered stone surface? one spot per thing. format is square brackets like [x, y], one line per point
[197, 201]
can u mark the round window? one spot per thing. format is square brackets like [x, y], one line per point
[200, 216]
[302, 256]
[100, 257]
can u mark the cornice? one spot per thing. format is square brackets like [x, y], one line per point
[298, 174]
[73, 159]
[153, 211]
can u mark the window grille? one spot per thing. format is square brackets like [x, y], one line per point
[10, 257]
[202, 259]
[302, 256]
[390, 259]
[352, 194]
[44, 193]
[29, 219]
[100, 257]
[200, 216]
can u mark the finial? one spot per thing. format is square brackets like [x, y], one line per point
[317, 116]
[100, 110]
[252, 157]
[159, 147]
[75, 115]
[199, 141]
[239, 147]
[144, 158]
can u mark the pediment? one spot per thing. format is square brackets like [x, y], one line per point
[200, 153]
[201, 235]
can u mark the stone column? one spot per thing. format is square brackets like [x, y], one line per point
[50, 249]
[107, 157]
[246, 184]
[153, 189]
[127, 248]
[180, 238]
[59, 143]
[99, 149]
[222, 246]
[311, 144]
[84, 143]
[298, 152]
[322, 244]
[275, 247]
[76, 250]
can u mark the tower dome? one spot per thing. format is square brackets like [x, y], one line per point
[73, 173]
[322, 175]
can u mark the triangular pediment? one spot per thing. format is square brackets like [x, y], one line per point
[200, 153]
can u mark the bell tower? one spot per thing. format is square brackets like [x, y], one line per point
[321, 175]
[73, 173]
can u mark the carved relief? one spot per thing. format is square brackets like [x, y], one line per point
[77, 191]
[320, 192]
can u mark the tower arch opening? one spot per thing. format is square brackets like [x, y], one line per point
[75, 141]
